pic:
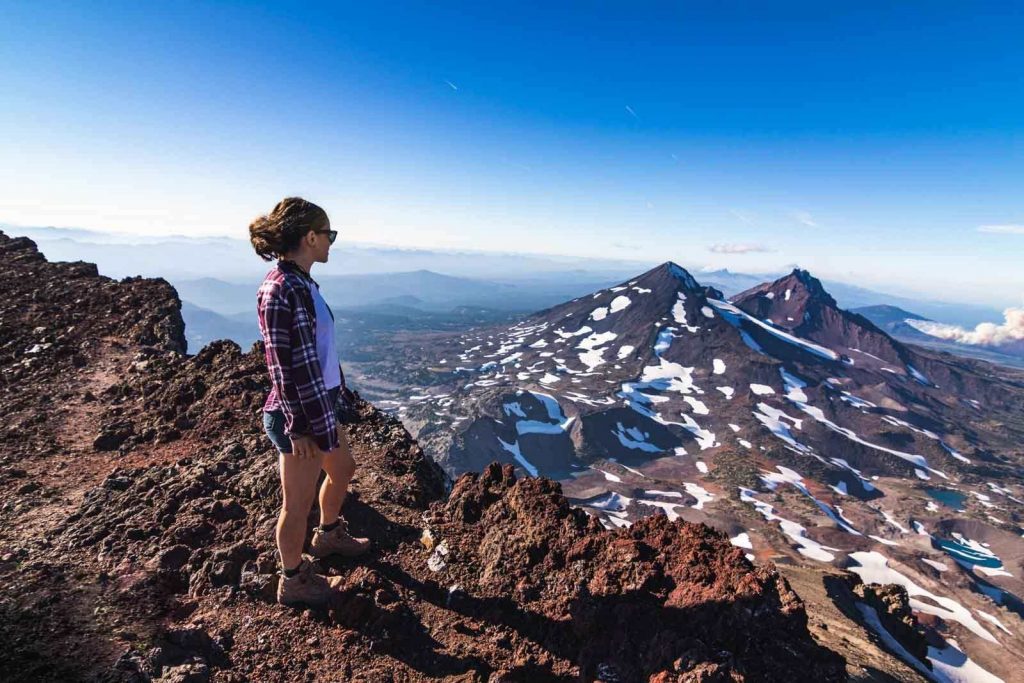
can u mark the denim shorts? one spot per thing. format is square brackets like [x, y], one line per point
[273, 423]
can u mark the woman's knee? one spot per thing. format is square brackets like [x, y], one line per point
[297, 497]
[340, 464]
[298, 506]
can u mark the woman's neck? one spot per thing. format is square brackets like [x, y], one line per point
[304, 263]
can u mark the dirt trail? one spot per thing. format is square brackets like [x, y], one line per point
[66, 477]
[55, 602]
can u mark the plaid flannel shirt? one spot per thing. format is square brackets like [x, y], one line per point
[287, 320]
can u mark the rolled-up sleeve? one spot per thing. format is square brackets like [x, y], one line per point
[276, 323]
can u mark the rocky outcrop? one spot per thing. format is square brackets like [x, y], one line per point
[668, 601]
[892, 604]
[53, 313]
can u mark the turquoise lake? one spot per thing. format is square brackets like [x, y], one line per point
[948, 497]
[967, 555]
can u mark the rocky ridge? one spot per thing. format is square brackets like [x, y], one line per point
[142, 496]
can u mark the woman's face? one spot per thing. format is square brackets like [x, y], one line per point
[322, 243]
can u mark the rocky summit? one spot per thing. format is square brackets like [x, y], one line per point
[142, 495]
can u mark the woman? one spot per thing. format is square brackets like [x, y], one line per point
[302, 415]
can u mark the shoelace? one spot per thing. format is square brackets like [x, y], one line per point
[304, 569]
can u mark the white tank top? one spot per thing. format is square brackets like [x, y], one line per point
[326, 351]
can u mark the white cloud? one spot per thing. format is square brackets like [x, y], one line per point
[743, 216]
[738, 248]
[805, 218]
[1002, 229]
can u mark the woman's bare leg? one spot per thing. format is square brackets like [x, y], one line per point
[339, 466]
[298, 487]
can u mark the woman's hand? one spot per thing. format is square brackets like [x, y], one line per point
[304, 448]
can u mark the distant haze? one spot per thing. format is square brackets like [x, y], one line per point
[220, 274]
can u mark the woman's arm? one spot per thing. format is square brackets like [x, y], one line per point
[276, 322]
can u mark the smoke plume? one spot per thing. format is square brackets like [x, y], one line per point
[1005, 336]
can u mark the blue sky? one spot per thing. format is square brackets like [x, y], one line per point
[867, 142]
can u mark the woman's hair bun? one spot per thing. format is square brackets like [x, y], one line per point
[279, 232]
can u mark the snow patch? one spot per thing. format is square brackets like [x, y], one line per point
[614, 478]
[939, 566]
[618, 303]
[679, 313]
[952, 665]
[698, 492]
[513, 448]
[742, 541]
[698, 406]
[632, 437]
[797, 533]
[734, 316]
[772, 418]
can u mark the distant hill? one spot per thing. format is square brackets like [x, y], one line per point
[422, 289]
[853, 297]
[893, 319]
[537, 281]
[179, 257]
[203, 326]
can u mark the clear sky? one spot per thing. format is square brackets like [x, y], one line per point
[875, 142]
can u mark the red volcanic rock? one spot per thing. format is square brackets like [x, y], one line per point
[660, 599]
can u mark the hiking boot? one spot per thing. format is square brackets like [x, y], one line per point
[337, 541]
[306, 587]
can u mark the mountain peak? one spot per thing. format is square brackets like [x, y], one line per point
[670, 274]
[799, 302]
[795, 293]
[813, 285]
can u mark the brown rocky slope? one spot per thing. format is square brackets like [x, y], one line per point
[137, 533]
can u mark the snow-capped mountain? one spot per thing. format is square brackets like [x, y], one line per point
[664, 358]
[805, 431]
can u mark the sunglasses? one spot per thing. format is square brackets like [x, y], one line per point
[331, 234]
